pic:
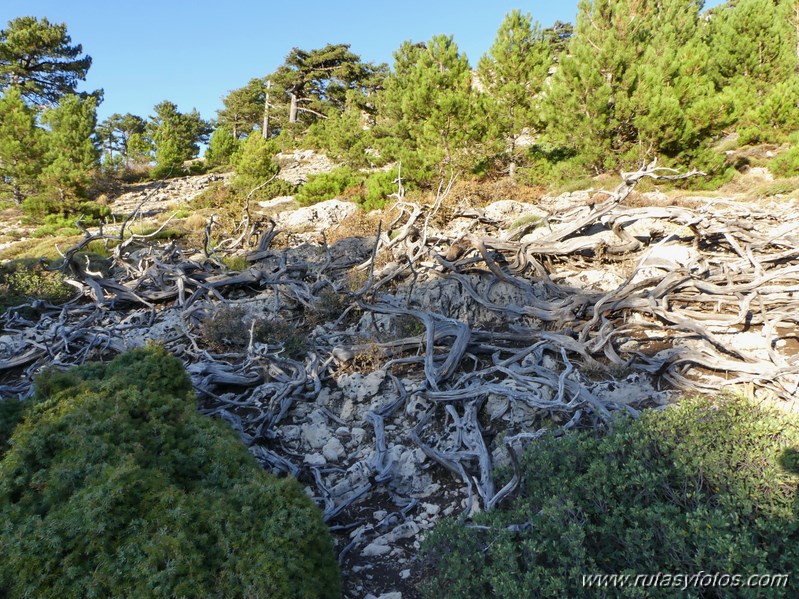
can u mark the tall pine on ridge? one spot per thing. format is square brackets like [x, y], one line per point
[627, 86]
[512, 76]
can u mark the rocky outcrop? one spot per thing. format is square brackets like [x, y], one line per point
[297, 166]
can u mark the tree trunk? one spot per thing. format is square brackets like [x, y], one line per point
[293, 109]
[265, 129]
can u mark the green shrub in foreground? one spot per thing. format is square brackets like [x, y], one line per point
[115, 486]
[705, 486]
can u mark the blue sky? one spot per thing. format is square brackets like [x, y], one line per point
[193, 53]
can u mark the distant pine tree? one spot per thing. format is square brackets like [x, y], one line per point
[21, 149]
[633, 84]
[429, 117]
[71, 155]
[512, 76]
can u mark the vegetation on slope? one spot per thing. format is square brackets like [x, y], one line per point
[114, 485]
[709, 485]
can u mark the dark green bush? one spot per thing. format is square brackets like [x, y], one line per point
[327, 186]
[787, 163]
[378, 187]
[343, 138]
[39, 206]
[115, 486]
[701, 487]
[11, 411]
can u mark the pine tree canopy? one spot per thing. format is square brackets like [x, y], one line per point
[38, 57]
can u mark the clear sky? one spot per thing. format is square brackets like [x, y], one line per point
[194, 52]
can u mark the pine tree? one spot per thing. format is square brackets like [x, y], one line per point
[175, 136]
[512, 76]
[243, 108]
[428, 116]
[21, 151]
[139, 151]
[633, 84]
[754, 61]
[313, 84]
[221, 147]
[253, 162]
[38, 58]
[71, 155]
[114, 133]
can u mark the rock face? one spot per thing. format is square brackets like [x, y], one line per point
[319, 217]
[295, 167]
[182, 189]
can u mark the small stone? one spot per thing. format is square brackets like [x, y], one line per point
[358, 434]
[347, 410]
[315, 434]
[315, 459]
[431, 508]
[333, 450]
[404, 574]
[373, 549]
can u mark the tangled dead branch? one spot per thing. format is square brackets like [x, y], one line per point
[475, 350]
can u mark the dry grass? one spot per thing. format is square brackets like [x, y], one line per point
[482, 193]
[196, 222]
[358, 224]
[39, 248]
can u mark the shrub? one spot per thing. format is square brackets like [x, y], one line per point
[39, 206]
[775, 188]
[326, 186]
[709, 485]
[115, 486]
[229, 329]
[10, 415]
[378, 187]
[787, 163]
[253, 161]
[221, 147]
[57, 225]
[24, 283]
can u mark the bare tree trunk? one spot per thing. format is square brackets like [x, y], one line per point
[265, 129]
[293, 109]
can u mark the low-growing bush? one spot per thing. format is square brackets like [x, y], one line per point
[11, 411]
[114, 486]
[228, 329]
[57, 225]
[326, 186]
[21, 282]
[377, 189]
[787, 163]
[706, 486]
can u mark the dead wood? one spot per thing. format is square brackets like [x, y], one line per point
[703, 298]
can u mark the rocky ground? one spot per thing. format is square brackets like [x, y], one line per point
[438, 347]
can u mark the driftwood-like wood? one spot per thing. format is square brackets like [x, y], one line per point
[703, 278]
